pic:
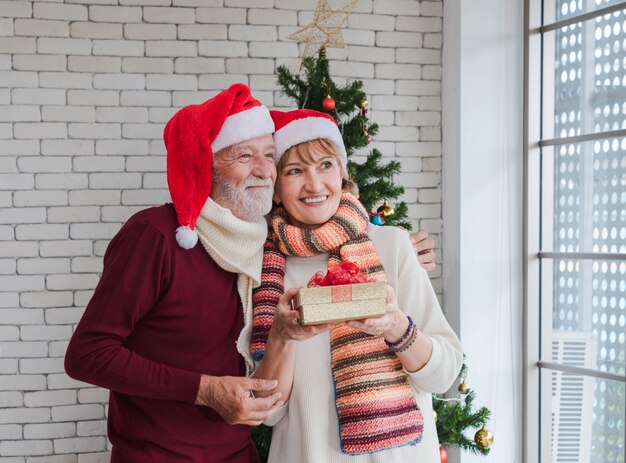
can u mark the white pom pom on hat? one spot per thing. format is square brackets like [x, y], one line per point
[186, 237]
[192, 135]
[301, 125]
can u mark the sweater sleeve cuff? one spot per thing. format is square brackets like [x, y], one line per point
[433, 363]
[189, 385]
[277, 416]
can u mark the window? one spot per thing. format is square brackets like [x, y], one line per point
[575, 231]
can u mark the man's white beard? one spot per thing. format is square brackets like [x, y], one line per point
[245, 204]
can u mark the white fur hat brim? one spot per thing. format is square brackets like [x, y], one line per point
[243, 126]
[307, 129]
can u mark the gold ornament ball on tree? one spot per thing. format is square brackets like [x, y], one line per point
[463, 387]
[435, 415]
[483, 438]
[386, 210]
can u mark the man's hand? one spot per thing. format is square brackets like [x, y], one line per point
[423, 246]
[232, 397]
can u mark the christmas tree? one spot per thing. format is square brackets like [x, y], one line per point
[349, 106]
[455, 416]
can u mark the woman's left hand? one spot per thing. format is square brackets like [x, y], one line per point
[392, 325]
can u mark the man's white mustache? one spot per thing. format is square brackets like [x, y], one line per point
[255, 181]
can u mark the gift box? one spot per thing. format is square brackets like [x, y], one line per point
[334, 304]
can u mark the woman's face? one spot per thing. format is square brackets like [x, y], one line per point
[310, 193]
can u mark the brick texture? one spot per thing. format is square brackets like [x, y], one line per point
[85, 89]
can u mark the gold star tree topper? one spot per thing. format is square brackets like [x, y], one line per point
[325, 30]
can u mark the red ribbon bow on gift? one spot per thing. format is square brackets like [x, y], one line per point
[345, 273]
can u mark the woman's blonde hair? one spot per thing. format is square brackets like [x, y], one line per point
[304, 153]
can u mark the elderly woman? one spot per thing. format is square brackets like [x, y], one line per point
[358, 391]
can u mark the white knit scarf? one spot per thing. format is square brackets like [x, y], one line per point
[237, 247]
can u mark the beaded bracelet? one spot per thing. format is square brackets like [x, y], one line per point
[408, 344]
[399, 342]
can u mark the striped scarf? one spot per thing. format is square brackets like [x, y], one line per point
[374, 401]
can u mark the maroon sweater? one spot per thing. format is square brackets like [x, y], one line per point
[160, 317]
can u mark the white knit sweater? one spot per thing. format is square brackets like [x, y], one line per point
[306, 429]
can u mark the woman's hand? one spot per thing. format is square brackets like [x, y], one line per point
[286, 326]
[392, 325]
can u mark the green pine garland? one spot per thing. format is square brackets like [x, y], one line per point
[456, 416]
[453, 418]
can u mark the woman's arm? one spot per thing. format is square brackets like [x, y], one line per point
[434, 359]
[395, 328]
[416, 347]
[280, 353]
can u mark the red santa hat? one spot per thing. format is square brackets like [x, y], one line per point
[191, 137]
[300, 125]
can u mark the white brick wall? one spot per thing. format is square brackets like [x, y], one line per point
[85, 89]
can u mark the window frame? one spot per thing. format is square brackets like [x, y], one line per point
[536, 446]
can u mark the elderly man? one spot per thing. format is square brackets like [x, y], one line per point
[167, 327]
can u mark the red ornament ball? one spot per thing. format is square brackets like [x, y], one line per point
[443, 454]
[369, 139]
[328, 104]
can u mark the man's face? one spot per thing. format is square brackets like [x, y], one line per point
[243, 177]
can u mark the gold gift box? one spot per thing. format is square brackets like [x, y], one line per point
[334, 304]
